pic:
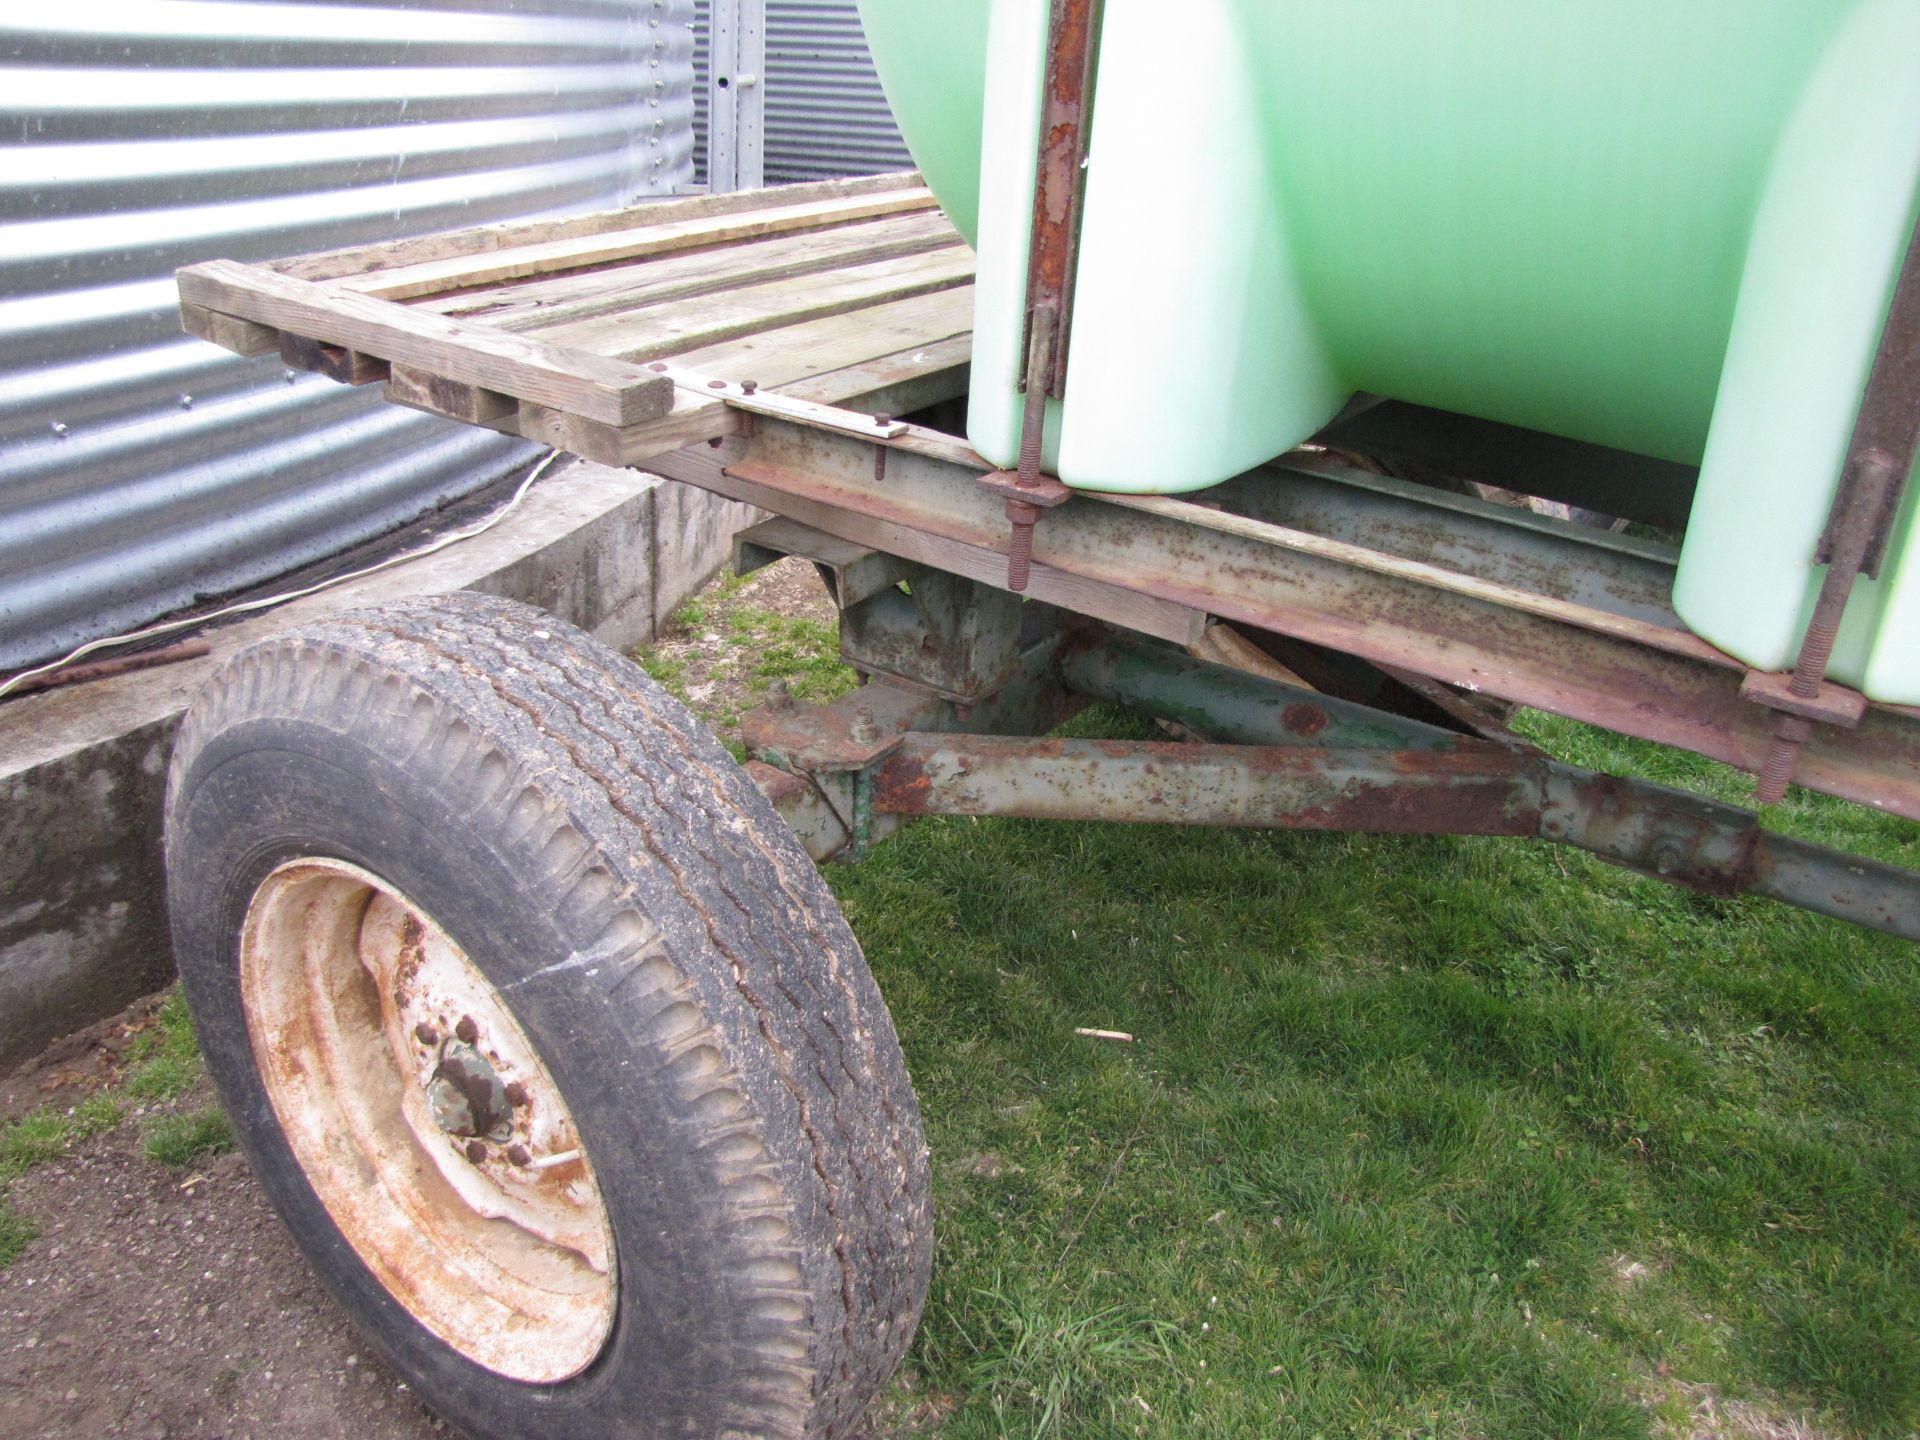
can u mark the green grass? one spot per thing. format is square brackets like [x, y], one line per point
[16, 1233]
[178, 1140]
[750, 647]
[35, 1138]
[162, 1064]
[165, 1061]
[1397, 1112]
[1418, 1137]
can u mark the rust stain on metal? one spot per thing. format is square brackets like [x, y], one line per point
[1071, 48]
[1487, 790]
[1303, 719]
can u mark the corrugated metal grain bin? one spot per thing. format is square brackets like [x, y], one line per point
[816, 102]
[140, 470]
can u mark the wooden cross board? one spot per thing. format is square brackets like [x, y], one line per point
[622, 335]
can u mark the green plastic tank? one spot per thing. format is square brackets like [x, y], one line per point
[1670, 226]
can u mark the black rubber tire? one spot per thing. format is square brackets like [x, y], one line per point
[727, 1058]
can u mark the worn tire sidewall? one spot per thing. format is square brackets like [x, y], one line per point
[269, 791]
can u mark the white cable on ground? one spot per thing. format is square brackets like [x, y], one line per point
[167, 627]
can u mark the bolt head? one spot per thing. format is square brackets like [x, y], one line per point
[516, 1094]
[426, 1034]
[883, 420]
[476, 1151]
[519, 1155]
[467, 1030]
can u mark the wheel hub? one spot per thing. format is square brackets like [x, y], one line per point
[426, 1122]
[467, 1096]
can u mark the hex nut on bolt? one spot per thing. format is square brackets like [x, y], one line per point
[426, 1034]
[476, 1151]
[467, 1030]
[519, 1155]
[516, 1094]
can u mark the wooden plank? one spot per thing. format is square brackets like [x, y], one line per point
[784, 407]
[689, 422]
[349, 367]
[833, 358]
[651, 237]
[889, 372]
[779, 359]
[686, 324]
[483, 239]
[423, 390]
[1224, 645]
[592, 386]
[582, 295]
[230, 332]
[897, 384]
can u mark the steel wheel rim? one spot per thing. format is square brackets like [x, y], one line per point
[386, 1054]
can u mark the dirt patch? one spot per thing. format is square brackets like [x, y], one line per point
[75, 1066]
[1713, 1417]
[173, 1305]
[160, 1303]
[718, 651]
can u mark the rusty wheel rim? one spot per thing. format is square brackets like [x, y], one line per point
[426, 1122]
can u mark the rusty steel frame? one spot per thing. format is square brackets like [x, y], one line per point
[1053, 258]
[1162, 566]
[849, 774]
[1421, 586]
[1880, 457]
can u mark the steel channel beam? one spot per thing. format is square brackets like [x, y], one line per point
[848, 775]
[1151, 568]
[1475, 790]
[1222, 704]
[1722, 850]
[1503, 544]
[1615, 482]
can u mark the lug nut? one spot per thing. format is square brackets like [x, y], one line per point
[426, 1034]
[476, 1151]
[519, 1155]
[516, 1094]
[467, 1030]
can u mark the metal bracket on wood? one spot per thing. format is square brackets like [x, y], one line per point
[1886, 437]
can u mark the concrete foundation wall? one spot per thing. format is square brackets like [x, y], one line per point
[83, 769]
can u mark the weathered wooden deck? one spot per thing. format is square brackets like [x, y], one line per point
[619, 336]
